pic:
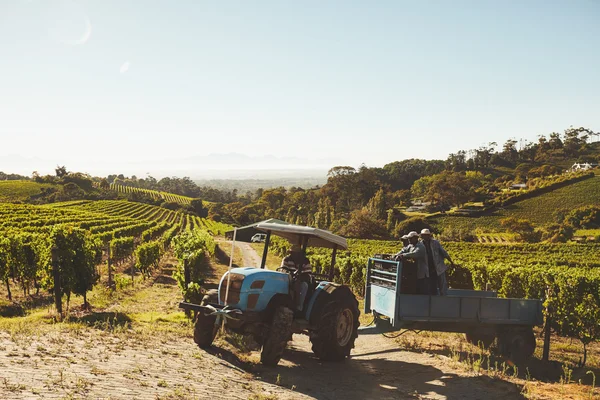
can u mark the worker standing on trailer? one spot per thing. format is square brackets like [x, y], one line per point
[405, 245]
[418, 253]
[438, 284]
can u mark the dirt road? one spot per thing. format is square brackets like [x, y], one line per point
[249, 256]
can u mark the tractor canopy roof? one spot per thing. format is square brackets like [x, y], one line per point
[316, 237]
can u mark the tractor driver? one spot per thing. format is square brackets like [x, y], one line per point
[297, 262]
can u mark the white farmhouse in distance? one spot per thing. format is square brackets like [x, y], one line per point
[582, 167]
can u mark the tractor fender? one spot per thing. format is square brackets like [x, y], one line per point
[278, 300]
[325, 292]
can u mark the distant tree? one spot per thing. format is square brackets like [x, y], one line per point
[509, 151]
[363, 225]
[448, 188]
[378, 205]
[523, 228]
[340, 170]
[411, 224]
[61, 171]
[575, 140]
[198, 207]
[457, 162]
[555, 142]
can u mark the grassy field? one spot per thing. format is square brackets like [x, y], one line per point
[540, 210]
[11, 191]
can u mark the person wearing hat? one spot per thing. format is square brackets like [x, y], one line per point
[435, 263]
[405, 246]
[299, 266]
[418, 253]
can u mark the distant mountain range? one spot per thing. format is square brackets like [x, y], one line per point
[211, 166]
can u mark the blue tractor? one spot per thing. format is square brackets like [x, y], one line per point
[262, 303]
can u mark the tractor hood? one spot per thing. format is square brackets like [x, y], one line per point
[252, 283]
[257, 273]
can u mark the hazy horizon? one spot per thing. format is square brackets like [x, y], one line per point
[198, 168]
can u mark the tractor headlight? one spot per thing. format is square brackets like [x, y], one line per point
[235, 285]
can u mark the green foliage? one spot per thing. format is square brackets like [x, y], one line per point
[586, 217]
[147, 256]
[77, 254]
[191, 248]
[121, 248]
[448, 189]
[78, 229]
[363, 224]
[19, 191]
[197, 206]
[523, 228]
[411, 224]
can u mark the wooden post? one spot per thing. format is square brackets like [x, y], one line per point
[265, 250]
[332, 268]
[546, 352]
[187, 276]
[109, 266]
[56, 275]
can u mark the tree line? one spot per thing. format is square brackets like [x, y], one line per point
[367, 202]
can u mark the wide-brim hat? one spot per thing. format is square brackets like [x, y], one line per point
[425, 232]
[404, 237]
[412, 234]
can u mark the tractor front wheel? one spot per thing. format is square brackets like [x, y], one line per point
[277, 338]
[204, 330]
[337, 328]
[204, 326]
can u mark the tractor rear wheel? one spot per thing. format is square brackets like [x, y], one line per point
[204, 326]
[337, 327]
[277, 338]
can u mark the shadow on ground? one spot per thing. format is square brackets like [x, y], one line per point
[371, 377]
[18, 308]
[551, 371]
[107, 321]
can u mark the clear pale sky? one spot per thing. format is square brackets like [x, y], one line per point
[98, 85]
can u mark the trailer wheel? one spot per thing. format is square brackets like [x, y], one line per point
[278, 336]
[337, 327]
[518, 344]
[475, 338]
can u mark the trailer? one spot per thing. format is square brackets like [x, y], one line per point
[391, 297]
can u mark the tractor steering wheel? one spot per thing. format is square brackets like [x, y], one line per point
[291, 271]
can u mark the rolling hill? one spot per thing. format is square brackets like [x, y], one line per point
[15, 191]
[540, 210]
